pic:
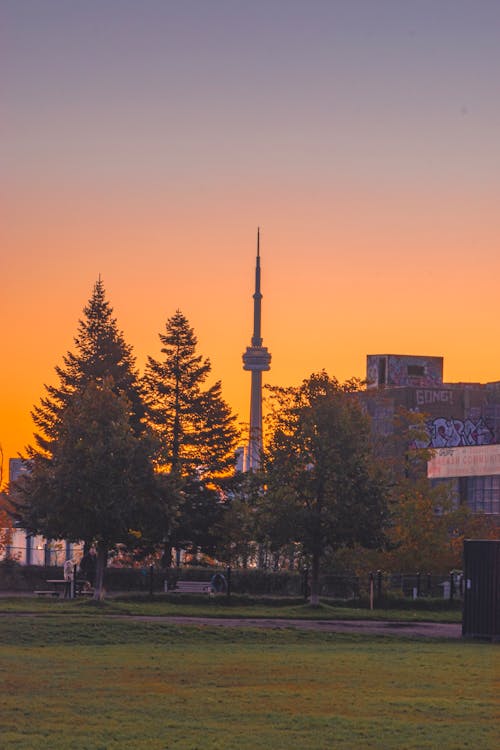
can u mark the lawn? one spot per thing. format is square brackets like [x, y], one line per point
[204, 606]
[91, 683]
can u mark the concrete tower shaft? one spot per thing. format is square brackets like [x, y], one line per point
[256, 359]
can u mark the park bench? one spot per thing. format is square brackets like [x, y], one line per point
[61, 587]
[193, 587]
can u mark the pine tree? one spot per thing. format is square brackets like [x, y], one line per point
[195, 426]
[101, 351]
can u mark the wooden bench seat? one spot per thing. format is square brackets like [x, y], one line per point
[193, 587]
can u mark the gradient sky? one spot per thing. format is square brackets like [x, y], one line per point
[146, 141]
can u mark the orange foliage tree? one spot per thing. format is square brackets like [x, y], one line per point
[428, 526]
[5, 519]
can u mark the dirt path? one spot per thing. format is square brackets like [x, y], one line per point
[371, 627]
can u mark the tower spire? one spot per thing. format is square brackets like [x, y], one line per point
[257, 297]
[256, 359]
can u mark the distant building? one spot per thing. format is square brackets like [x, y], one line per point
[463, 422]
[241, 458]
[28, 549]
[398, 370]
[16, 468]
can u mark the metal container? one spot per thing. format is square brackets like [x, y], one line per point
[481, 612]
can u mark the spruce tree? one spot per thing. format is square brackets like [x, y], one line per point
[195, 427]
[100, 352]
[90, 471]
[196, 436]
[98, 483]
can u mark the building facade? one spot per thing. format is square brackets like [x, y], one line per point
[30, 549]
[462, 422]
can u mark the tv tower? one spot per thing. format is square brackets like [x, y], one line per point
[256, 359]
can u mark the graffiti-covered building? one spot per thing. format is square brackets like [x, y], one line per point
[458, 416]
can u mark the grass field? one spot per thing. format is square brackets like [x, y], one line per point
[88, 683]
[204, 606]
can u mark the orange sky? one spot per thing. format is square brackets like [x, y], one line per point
[148, 145]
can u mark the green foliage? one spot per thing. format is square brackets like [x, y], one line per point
[195, 427]
[239, 527]
[95, 483]
[427, 527]
[196, 438]
[90, 476]
[98, 480]
[100, 352]
[324, 488]
[192, 516]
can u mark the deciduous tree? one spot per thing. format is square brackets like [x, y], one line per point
[324, 488]
[239, 530]
[428, 525]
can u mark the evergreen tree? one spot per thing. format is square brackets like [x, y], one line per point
[196, 436]
[101, 352]
[195, 427]
[90, 458]
[97, 484]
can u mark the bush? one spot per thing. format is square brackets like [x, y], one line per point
[16, 577]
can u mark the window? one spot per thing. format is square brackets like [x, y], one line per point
[453, 491]
[483, 494]
[416, 371]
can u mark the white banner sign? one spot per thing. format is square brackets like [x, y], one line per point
[470, 461]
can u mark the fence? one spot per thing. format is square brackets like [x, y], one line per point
[379, 584]
[249, 581]
[417, 585]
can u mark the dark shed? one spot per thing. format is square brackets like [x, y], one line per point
[481, 613]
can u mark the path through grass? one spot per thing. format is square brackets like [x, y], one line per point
[203, 606]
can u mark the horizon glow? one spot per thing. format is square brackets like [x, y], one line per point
[147, 142]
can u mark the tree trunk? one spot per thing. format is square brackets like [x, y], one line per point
[314, 600]
[101, 562]
[166, 558]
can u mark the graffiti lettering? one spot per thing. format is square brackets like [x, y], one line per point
[433, 397]
[450, 433]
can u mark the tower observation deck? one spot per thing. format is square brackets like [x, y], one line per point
[256, 359]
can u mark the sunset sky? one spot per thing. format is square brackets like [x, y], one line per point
[146, 141]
